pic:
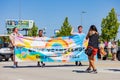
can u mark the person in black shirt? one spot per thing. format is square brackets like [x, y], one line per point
[93, 37]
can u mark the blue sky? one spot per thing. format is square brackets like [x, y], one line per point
[51, 13]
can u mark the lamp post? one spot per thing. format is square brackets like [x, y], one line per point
[44, 31]
[81, 16]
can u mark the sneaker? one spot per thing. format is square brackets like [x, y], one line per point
[38, 65]
[76, 63]
[43, 65]
[80, 64]
[88, 70]
[14, 66]
[94, 71]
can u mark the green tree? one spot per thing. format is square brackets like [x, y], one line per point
[109, 26]
[119, 42]
[33, 30]
[65, 29]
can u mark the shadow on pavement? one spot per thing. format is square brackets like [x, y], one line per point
[115, 70]
[63, 65]
[79, 71]
[42, 67]
[20, 66]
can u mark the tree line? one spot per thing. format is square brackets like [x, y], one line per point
[109, 28]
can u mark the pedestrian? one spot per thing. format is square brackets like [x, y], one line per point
[106, 50]
[102, 51]
[12, 36]
[40, 34]
[93, 37]
[80, 31]
[114, 50]
[109, 47]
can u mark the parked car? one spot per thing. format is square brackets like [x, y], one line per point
[5, 51]
[118, 53]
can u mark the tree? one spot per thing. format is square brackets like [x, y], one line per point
[109, 26]
[119, 42]
[33, 30]
[65, 29]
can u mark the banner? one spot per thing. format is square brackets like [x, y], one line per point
[59, 49]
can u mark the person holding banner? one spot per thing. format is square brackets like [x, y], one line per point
[80, 31]
[93, 37]
[12, 39]
[40, 34]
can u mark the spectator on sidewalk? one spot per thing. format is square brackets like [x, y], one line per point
[114, 50]
[102, 51]
[109, 47]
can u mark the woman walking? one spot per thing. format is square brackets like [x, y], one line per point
[114, 50]
[93, 37]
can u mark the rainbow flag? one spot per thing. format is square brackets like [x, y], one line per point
[59, 49]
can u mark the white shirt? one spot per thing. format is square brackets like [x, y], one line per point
[12, 37]
[109, 44]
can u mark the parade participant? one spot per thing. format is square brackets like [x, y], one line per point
[80, 31]
[12, 36]
[93, 37]
[40, 34]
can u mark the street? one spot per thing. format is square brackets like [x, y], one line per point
[107, 70]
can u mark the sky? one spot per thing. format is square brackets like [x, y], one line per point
[50, 14]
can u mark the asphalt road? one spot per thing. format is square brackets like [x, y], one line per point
[107, 70]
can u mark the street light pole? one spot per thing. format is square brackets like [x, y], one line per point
[81, 16]
[44, 31]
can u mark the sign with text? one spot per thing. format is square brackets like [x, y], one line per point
[22, 24]
[59, 49]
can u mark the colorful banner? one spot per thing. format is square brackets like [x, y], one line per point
[59, 49]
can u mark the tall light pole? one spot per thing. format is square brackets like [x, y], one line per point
[81, 16]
